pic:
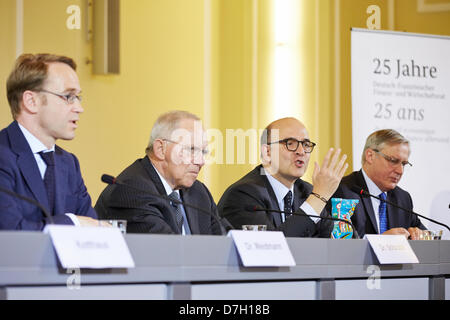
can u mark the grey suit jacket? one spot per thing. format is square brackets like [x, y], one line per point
[147, 213]
[364, 216]
[254, 190]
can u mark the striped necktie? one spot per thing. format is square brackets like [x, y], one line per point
[179, 215]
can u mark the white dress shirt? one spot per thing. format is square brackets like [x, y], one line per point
[169, 190]
[37, 146]
[281, 190]
[373, 189]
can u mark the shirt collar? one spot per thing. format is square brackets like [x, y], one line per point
[35, 144]
[373, 188]
[279, 189]
[167, 187]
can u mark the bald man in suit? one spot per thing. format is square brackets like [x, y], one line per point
[276, 184]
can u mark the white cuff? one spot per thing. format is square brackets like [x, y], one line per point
[306, 207]
[74, 219]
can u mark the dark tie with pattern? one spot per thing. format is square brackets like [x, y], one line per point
[382, 213]
[49, 178]
[288, 203]
[179, 214]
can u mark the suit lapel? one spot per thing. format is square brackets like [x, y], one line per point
[300, 194]
[27, 164]
[272, 197]
[30, 171]
[366, 201]
[392, 212]
[170, 215]
[153, 176]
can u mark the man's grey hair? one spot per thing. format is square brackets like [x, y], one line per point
[166, 124]
[382, 138]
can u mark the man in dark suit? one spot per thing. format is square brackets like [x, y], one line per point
[175, 155]
[43, 93]
[276, 184]
[384, 160]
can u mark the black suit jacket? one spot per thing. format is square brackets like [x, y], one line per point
[254, 189]
[364, 216]
[146, 213]
[19, 172]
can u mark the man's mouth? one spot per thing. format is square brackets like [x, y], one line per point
[299, 163]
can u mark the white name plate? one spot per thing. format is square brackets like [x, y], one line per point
[262, 248]
[391, 249]
[90, 247]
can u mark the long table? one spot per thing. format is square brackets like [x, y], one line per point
[208, 267]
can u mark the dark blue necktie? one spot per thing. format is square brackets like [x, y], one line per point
[382, 213]
[49, 178]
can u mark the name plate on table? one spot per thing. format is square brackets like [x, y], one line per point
[262, 248]
[90, 247]
[391, 249]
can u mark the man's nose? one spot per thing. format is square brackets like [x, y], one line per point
[77, 107]
[300, 150]
[199, 158]
[399, 169]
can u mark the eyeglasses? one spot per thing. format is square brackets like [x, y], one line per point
[69, 98]
[193, 151]
[292, 144]
[393, 161]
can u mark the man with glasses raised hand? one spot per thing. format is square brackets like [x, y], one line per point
[43, 94]
[174, 156]
[384, 160]
[276, 184]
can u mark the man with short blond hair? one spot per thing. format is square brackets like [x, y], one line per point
[43, 92]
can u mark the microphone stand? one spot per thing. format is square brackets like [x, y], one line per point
[222, 223]
[298, 213]
[363, 193]
[29, 200]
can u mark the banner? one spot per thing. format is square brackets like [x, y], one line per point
[402, 81]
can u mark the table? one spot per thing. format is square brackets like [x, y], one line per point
[208, 267]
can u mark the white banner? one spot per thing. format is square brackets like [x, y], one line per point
[402, 81]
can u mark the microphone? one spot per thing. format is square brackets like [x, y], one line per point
[256, 208]
[106, 178]
[29, 200]
[364, 193]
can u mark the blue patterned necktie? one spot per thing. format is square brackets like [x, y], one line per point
[382, 213]
[49, 178]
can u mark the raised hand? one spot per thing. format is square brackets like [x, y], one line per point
[327, 177]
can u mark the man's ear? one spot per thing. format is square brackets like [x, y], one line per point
[265, 154]
[369, 154]
[159, 149]
[30, 102]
